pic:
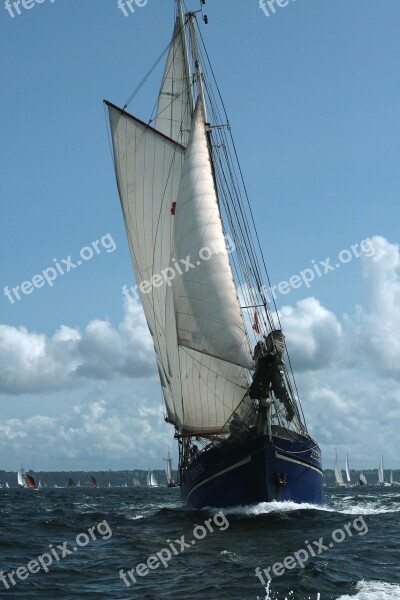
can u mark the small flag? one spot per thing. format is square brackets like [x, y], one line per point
[255, 324]
[173, 208]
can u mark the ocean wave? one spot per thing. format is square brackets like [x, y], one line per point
[374, 590]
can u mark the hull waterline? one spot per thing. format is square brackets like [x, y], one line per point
[255, 470]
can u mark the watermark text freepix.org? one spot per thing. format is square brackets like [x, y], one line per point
[124, 5]
[312, 549]
[319, 269]
[57, 553]
[181, 266]
[175, 547]
[272, 4]
[13, 7]
[60, 267]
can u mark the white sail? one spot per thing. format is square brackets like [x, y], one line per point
[21, 478]
[200, 391]
[391, 477]
[168, 469]
[175, 102]
[7, 486]
[148, 169]
[206, 305]
[338, 473]
[347, 469]
[381, 476]
[363, 479]
[151, 480]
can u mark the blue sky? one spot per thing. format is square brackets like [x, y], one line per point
[313, 97]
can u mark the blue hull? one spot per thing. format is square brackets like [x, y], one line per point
[255, 470]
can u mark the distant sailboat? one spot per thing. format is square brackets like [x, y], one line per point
[71, 482]
[109, 484]
[338, 473]
[362, 479]
[93, 480]
[151, 480]
[168, 471]
[7, 486]
[381, 475]
[126, 485]
[347, 469]
[136, 483]
[40, 484]
[392, 482]
[45, 483]
[25, 480]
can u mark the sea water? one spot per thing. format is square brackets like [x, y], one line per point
[123, 543]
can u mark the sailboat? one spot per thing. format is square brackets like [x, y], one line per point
[362, 479]
[168, 471]
[392, 482]
[338, 472]
[26, 480]
[151, 480]
[71, 482]
[136, 483]
[93, 480]
[221, 354]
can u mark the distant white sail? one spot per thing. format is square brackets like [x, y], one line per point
[168, 469]
[391, 477]
[338, 473]
[363, 479]
[347, 469]
[21, 478]
[151, 480]
[381, 476]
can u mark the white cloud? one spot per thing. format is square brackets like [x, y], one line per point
[313, 334]
[32, 362]
[95, 432]
[375, 330]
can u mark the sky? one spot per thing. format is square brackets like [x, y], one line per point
[313, 95]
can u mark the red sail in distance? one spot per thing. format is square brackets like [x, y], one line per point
[93, 481]
[30, 481]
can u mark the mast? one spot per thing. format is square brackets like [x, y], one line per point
[196, 60]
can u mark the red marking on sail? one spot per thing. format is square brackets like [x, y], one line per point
[173, 208]
[255, 324]
[30, 481]
[93, 481]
